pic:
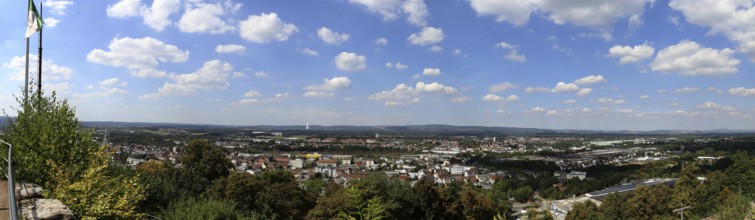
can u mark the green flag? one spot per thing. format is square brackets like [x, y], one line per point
[34, 22]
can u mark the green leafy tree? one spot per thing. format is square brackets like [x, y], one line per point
[204, 162]
[649, 202]
[283, 201]
[241, 188]
[614, 206]
[685, 188]
[201, 159]
[359, 209]
[314, 187]
[523, 194]
[476, 204]
[429, 201]
[734, 207]
[51, 149]
[95, 195]
[164, 183]
[583, 211]
[330, 204]
[47, 131]
[202, 209]
[742, 174]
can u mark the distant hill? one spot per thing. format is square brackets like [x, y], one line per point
[3, 121]
[432, 129]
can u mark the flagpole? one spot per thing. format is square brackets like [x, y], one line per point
[39, 78]
[26, 73]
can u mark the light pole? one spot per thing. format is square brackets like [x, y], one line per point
[11, 184]
[681, 211]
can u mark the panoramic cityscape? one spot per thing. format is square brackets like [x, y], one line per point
[378, 109]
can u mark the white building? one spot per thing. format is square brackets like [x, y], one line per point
[576, 174]
[455, 169]
[297, 163]
[560, 208]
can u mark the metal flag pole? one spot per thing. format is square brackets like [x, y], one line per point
[26, 72]
[39, 78]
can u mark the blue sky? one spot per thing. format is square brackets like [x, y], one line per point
[584, 64]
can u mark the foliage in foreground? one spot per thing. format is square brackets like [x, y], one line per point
[719, 194]
[202, 209]
[97, 195]
[52, 150]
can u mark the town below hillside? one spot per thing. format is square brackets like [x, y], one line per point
[524, 173]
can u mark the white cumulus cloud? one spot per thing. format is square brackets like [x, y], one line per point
[590, 80]
[584, 92]
[334, 83]
[536, 89]
[435, 88]
[431, 72]
[265, 28]
[611, 101]
[415, 10]
[381, 41]
[204, 18]
[57, 7]
[140, 55]
[397, 65]
[516, 12]
[512, 98]
[688, 58]
[252, 93]
[332, 37]
[709, 105]
[347, 61]
[403, 92]
[317, 94]
[512, 54]
[564, 87]
[156, 16]
[124, 9]
[492, 98]
[600, 15]
[307, 51]
[51, 70]
[629, 54]
[428, 36]
[742, 91]
[731, 18]
[230, 48]
[211, 76]
[51, 22]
